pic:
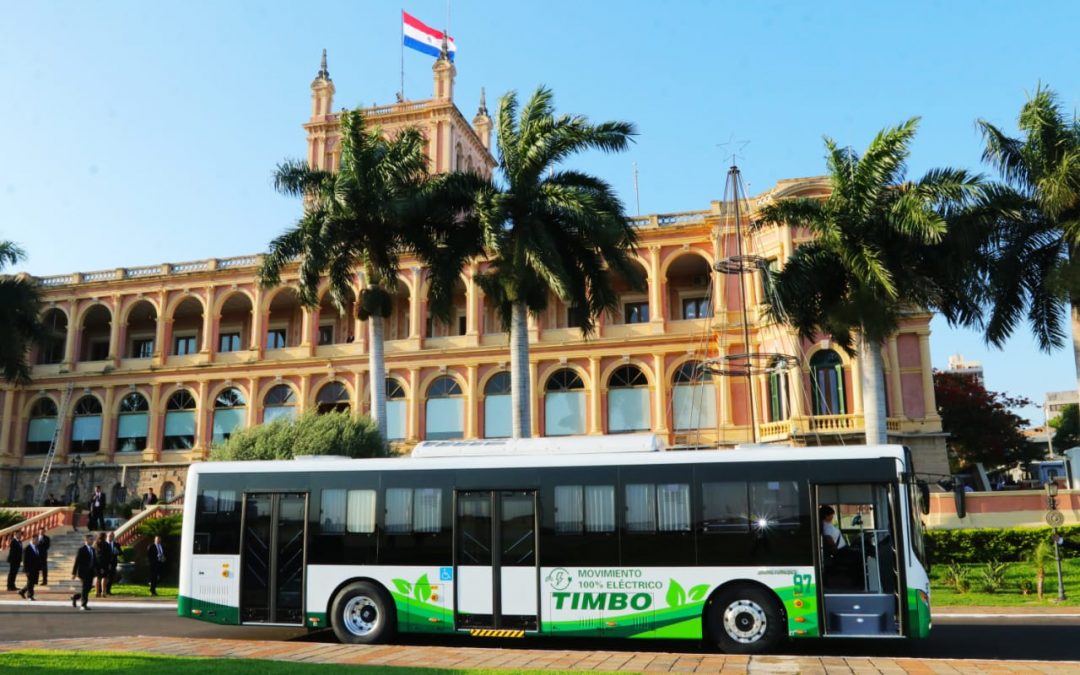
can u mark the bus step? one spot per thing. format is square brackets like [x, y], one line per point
[496, 633]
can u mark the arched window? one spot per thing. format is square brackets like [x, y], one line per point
[445, 410]
[778, 396]
[279, 402]
[168, 492]
[497, 411]
[628, 400]
[132, 423]
[230, 410]
[396, 413]
[693, 397]
[180, 421]
[86, 425]
[564, 404]
[827, 382]
[333, 397]
[42, 427]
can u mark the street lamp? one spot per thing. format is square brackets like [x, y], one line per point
[1055, 518]
[76, 469]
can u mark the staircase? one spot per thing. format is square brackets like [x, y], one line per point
[65, 544]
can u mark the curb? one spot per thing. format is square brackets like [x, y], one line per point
[93, 605]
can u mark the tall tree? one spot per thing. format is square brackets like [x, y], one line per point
[882, 246]
[1034, 267]
[20, 317]
[550, 230]
[981, 424]
[381, 203]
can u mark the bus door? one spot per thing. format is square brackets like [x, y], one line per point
[272, 558]
[858, 561]
[496, 573]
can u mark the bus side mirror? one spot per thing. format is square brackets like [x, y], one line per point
[924, 497]
[960, 499]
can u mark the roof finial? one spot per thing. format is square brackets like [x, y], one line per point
[483, 103]
[444, 53]
[324, 74]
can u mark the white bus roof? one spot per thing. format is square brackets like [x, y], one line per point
[563, 445]
[541, 459]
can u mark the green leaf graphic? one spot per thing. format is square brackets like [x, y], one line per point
[422, 589]
[676, 596]
[403, 587]
[697, 593]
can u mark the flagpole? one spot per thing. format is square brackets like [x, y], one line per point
[401, 45]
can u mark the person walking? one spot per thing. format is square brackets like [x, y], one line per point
[32, 566]
[155, 554]
[149, 499]
[44, 542]
[14, 558]
[97, 510]
[83, 570]
[114, 561]
[102, 562]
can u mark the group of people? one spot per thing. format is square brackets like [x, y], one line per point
[33, 557]
[96, 563]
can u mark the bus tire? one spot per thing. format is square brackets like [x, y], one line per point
[363, 613]
[746, 619]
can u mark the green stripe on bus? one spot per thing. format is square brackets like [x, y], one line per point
[207, 611]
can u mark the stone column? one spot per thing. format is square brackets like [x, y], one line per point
[659, 394]
[71, 339]
[414, 405]
[254, 402]
[473, 309]
[895, 384]
[6, 422]
[258, 323]
[156, 429]
[656, 289]
[472, 401]
[208, 347]
[537, 396]
[116, 348]
[108, 424]
[856, 386]
[594, 424]
[929, 400]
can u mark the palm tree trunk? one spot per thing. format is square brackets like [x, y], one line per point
[520, 390]
[377, 371]
[872, 374]
[1075, 312]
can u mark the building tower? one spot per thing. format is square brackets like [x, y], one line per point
[444, 74]
[322, 91]
[482, 122]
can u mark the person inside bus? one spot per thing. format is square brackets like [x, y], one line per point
[840, 563]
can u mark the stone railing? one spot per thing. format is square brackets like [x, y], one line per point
[129, 531]
[164, 269]
[820, 424]
[668, 219]
[47, 517]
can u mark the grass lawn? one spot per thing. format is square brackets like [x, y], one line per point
[142, 591]
[1010, 594]
[39, 661]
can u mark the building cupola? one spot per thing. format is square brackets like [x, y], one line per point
[444, 74]
[322, 91]
[482, 122]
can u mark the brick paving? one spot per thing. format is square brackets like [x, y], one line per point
[540, 659]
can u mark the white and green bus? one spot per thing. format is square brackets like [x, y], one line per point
[590, 536]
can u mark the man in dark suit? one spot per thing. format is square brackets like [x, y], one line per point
[83, 570]
[32, 566]
[14, 558]
[155, 554]
[114, 561]
[149, 499]
[43, 545]
[97, 510]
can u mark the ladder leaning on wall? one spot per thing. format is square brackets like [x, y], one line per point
[46, 468]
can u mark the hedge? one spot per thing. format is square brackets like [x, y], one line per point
[1011, 544]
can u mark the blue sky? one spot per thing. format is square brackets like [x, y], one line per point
[134, 133]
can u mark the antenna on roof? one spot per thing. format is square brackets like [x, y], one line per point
[637, 191]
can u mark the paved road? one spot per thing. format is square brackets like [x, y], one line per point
[1024, 638]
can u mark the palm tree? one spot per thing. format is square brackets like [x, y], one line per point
[380, 203]
[882, 246]
[20, 317]
[1034, 263]
[549, 230]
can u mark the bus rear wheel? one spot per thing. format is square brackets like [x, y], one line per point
[746, 620]
[363, 613]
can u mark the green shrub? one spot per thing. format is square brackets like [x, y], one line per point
[9, 518]
[1026, 586]
[165, 526]
[992, 577]
[309, 434]
[956, 576]
[989, 545]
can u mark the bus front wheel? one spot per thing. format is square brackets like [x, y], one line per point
[363, 613]
[746, 620]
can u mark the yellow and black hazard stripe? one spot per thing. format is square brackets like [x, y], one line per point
[496, 633]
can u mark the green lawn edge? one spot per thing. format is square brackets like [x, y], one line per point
[1009, 596]
[60, 661]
